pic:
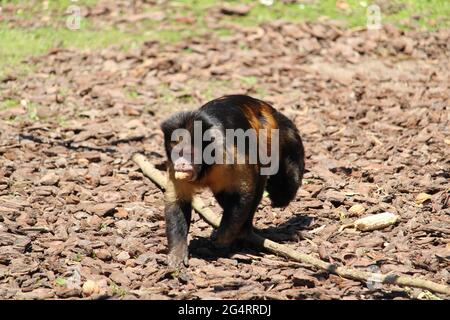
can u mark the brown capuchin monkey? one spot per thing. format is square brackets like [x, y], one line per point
[236, 146]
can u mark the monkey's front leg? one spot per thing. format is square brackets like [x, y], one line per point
[178, 219]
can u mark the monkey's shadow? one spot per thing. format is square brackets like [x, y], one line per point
[290, 230]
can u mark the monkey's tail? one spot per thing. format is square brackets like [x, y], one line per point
[282, 186]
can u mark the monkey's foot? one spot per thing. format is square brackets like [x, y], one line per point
[181, 274]
[227, 238]
[222, 239]
[178, 258]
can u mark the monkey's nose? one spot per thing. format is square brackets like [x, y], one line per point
[182, 164]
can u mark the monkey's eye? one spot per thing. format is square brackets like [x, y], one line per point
[173, 143]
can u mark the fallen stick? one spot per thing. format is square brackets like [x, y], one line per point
[260, 242]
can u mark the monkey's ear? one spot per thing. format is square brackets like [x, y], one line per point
[176, 121]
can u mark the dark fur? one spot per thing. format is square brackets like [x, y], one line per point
[237, 188]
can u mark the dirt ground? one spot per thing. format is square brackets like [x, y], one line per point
[373, 111]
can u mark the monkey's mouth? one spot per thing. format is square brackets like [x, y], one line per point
[185, 175]
[184, 169]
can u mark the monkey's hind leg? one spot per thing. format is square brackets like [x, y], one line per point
[238, 210]
[258, 194]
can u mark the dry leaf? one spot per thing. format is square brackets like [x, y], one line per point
[374, 222]
[357, 209]
[422, 197]
[342, 5]
[90, 287]
[378, 221]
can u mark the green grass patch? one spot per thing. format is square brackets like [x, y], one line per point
[133, 94]
[18, 42]
[32, 109]
[60, 281]
[8, 103]
[77, 257]
[116, 290]
[427, 13]
[249, 81]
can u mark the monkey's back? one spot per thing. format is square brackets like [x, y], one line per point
[244, 112]
[241, 112]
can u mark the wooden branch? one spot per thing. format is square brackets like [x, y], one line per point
[260, 242]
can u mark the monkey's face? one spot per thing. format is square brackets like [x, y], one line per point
[186, 160]
[183, 151]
